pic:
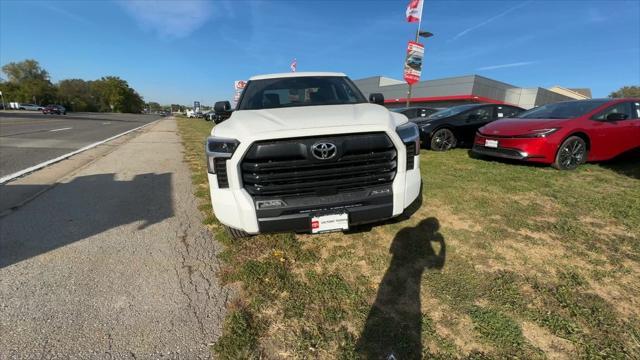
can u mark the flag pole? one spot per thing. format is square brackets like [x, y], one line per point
[417, 38]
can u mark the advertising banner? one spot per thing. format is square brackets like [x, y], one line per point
[238, 85]
[413, 62]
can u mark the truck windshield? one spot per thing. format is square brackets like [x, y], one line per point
[299, 91]
[563, 110]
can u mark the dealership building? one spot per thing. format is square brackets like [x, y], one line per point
[466, 89]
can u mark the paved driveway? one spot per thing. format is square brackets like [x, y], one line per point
[112, 262]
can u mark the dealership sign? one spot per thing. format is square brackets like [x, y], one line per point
[238, 85]
[413, 62]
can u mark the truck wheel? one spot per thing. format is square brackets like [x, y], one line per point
[443, 140]
[236, 234]
[571, 153]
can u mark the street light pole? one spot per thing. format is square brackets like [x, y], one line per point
[423, 34]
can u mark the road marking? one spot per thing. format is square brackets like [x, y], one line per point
[106, 123]
[61, 129]
[4, 179]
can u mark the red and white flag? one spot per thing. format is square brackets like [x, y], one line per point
[414, 10]
[294, 65]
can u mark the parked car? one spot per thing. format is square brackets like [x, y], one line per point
[208, 116]
[415, 62]
[416, 111]
[457, 125]
[565, 134]
[30, 107]
[306, 152]
[54, 109]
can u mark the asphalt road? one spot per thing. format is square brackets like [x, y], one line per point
[113, 262]
[30, 138]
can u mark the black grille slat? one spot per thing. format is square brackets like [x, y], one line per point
[295, 176]
[345, 161]
[363, 160]
[220, 166]
[411, 150]
[307, 188]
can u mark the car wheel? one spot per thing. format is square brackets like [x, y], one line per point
[571, 153]
[443, 140]
[236, 234]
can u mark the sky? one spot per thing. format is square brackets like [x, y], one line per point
[185, 51]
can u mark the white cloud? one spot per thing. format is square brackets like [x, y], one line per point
[502, 66]
[490, 20]
[169, 19]
[65, 12]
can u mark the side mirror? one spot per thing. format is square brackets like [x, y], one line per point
[222, 107]
[376, 98]
[617, 117]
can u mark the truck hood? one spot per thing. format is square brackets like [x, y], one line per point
[308, 119]
[515, 127]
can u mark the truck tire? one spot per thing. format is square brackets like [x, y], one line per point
[236, 234]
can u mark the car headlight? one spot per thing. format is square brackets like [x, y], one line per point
[219, 148]
[409, 133]
[540, 133]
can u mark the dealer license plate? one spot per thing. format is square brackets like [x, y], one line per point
[326, 223]
[491, 143]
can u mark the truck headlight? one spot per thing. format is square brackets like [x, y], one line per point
[219, 148]
[410, 136]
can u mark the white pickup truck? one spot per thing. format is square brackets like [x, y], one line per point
[306, 152]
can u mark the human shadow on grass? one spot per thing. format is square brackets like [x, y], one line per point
[394, 324]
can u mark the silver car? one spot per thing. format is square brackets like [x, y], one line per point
[30, 107]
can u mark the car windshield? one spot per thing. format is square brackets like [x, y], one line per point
[450, 111]
[299, 91]
[562, 110]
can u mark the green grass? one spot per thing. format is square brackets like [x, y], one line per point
[502, 260]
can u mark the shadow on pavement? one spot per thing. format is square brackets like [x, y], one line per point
[394, 323]
[84, 207]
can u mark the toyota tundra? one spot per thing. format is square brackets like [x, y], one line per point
[306, 152]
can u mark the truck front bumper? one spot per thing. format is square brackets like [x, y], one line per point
[237, 209]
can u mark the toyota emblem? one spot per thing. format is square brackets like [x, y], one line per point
[324, 150]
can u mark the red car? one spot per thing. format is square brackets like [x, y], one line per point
[564, 134]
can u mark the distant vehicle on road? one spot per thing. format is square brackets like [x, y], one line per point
[416, 111]
[565, 134]
[54, 109]
[30, 107]
[457, 125]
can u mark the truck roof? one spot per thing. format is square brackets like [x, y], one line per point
[295, 74]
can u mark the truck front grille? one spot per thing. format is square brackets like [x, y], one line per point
[287, 167]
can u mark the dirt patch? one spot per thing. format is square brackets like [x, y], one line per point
[452, 326]
[553, 346]
[607, 229]
[621, 293]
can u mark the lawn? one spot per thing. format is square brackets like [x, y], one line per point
[501, 260]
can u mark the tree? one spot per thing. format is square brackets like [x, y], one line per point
[115, 95]
[28, 82]
[76, 95]
[154, 106]
[626, 92]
